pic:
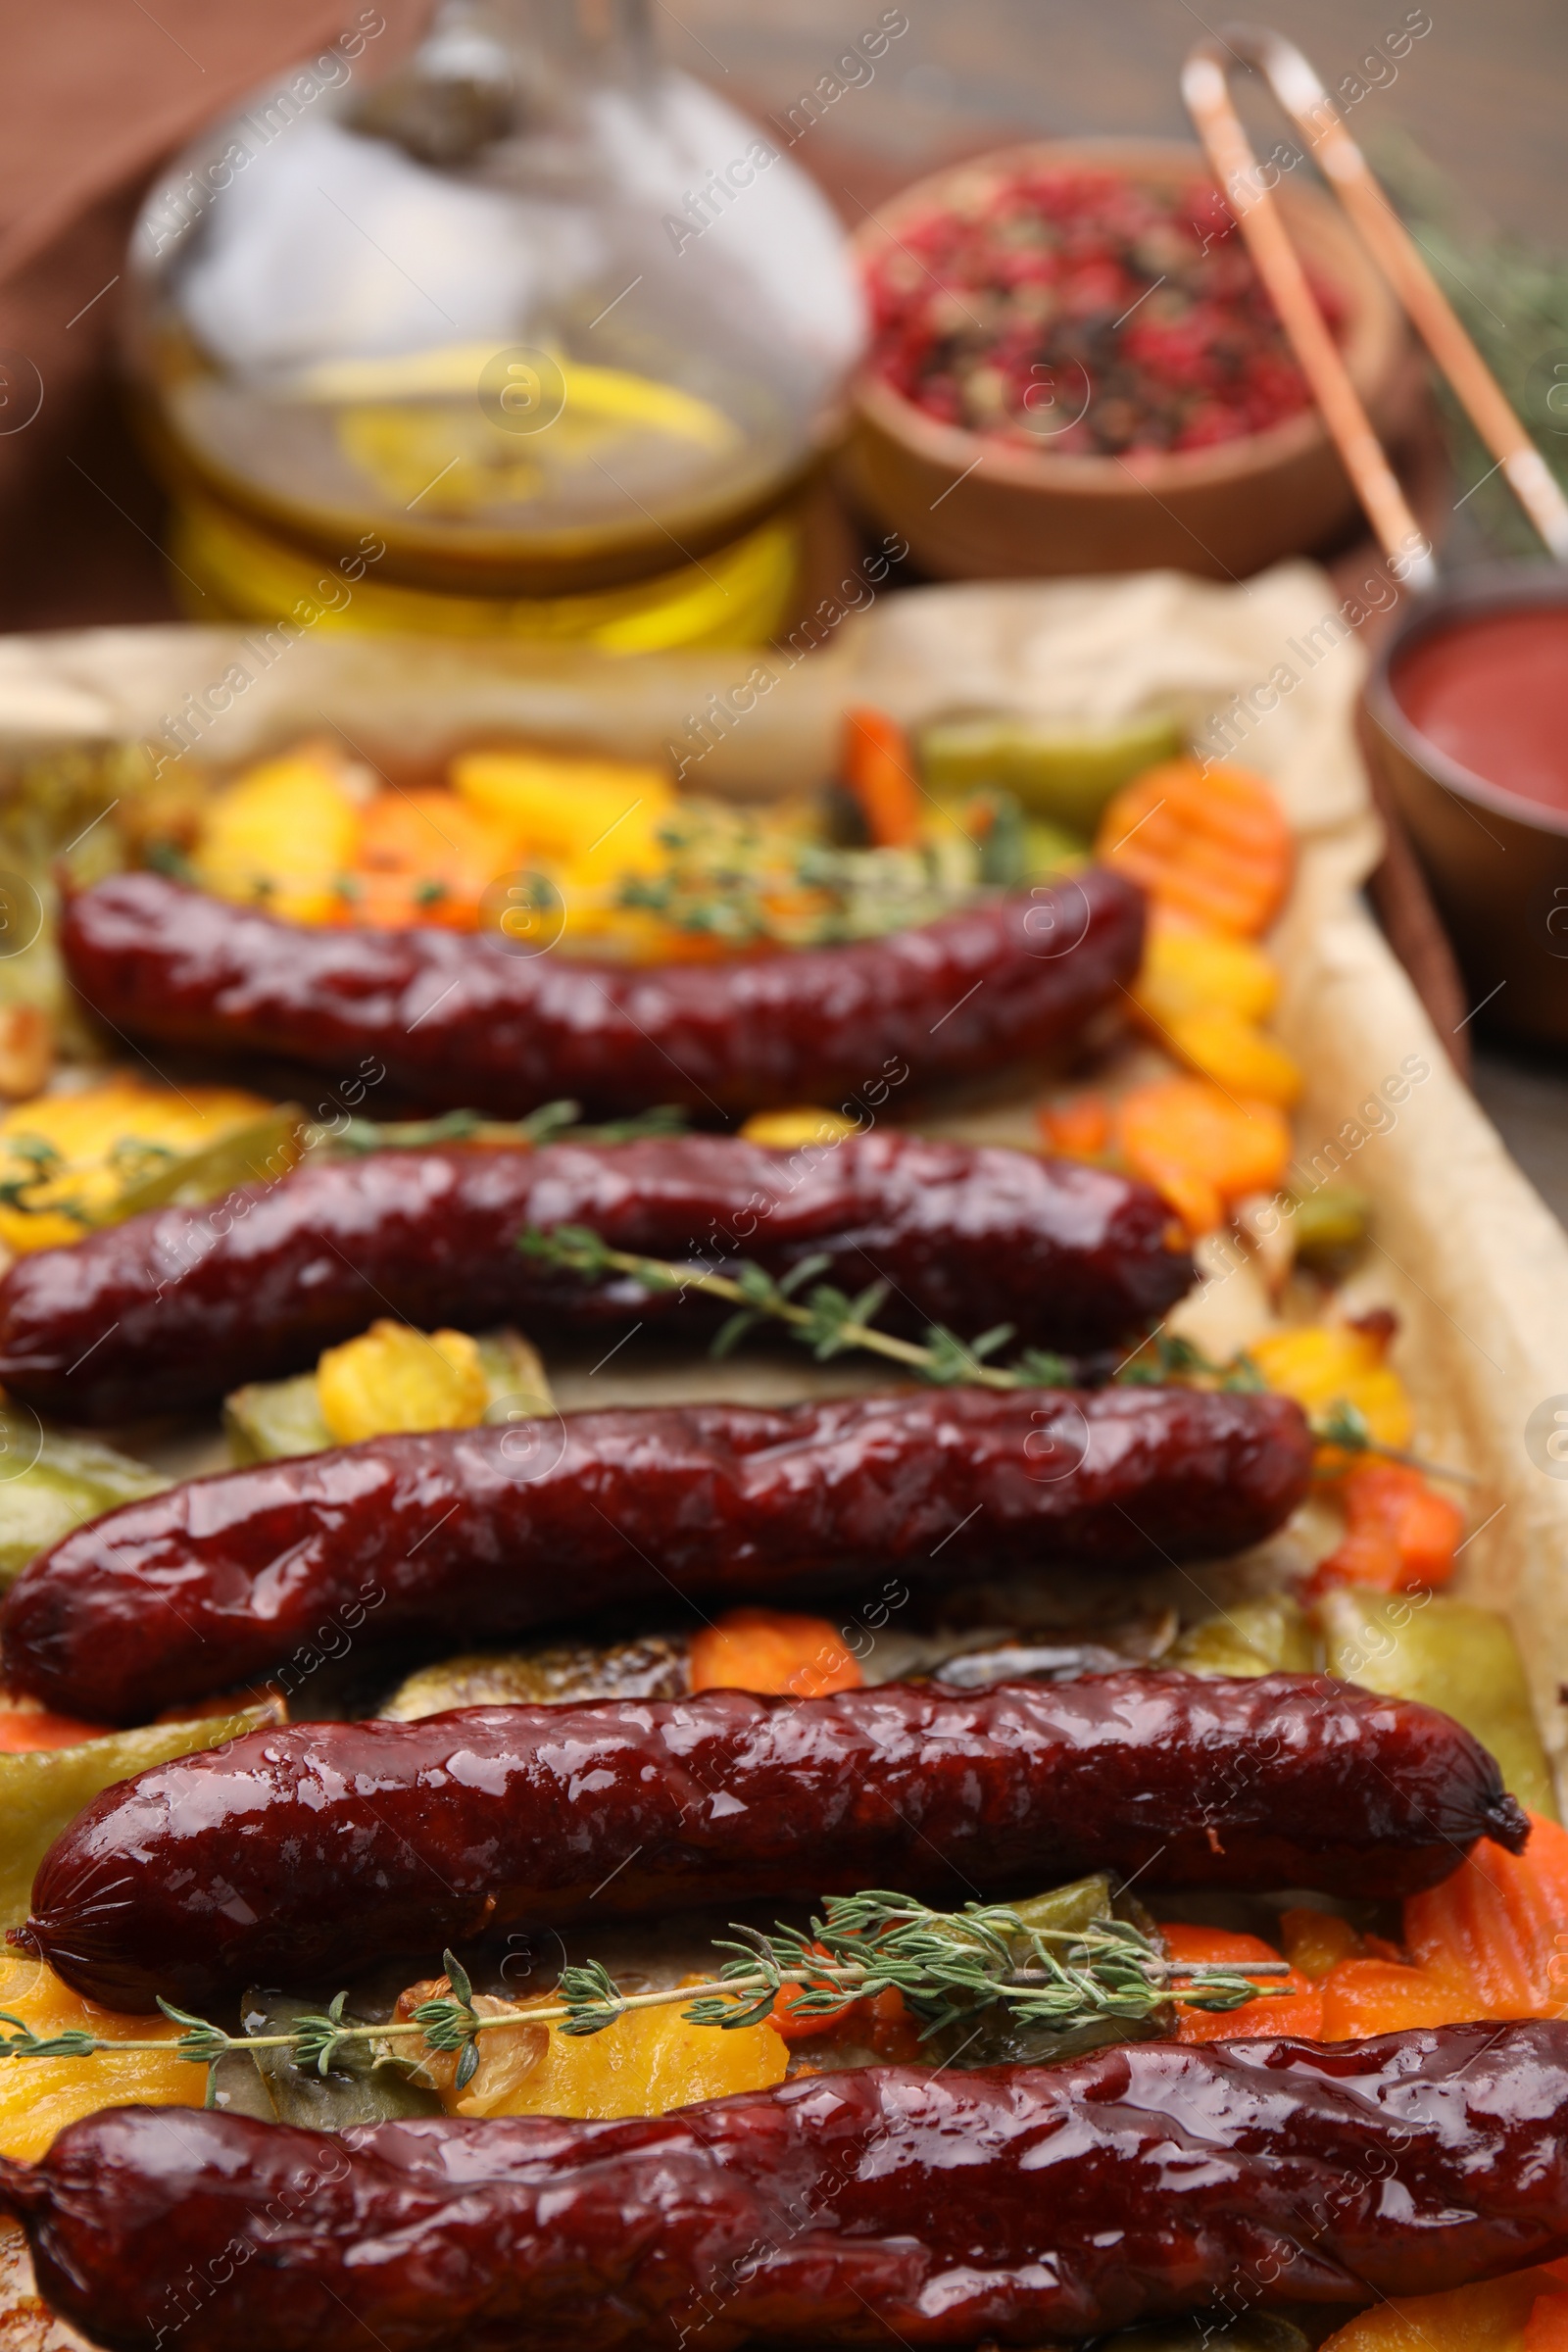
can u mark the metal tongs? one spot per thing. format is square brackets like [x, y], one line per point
[1303, 98]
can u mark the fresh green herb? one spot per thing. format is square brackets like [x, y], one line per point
[133, 1158]
[747, 883]
[946, 1964]
[552, 1122]
[829, 1322]
[1512, 296]
[1346, 1426]
[44, 1166]
[1165, 1357]
[1004, 843]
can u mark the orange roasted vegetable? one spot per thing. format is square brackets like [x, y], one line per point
[1201, 1147]
[786, 2018]
[771, 1651]
[1400, 1535]
[1214, 846]
[1547, 2328]
[1079, 1129]
[1298, 2009]
[878, 769]
[1491, 1942]
[1498, 2316]
[883, 2021]
[1366, 1995]
[26, 1729]
[1498, 1925]
[425, 856]
[1236, 1054]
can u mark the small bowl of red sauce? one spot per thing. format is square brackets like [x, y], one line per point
[1074, 367]
[1468, 704]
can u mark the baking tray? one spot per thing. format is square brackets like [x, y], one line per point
[1464, 1250]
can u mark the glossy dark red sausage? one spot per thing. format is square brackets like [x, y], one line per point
[175, 1307]
[301, 1854]
[460, 1022]
[886, 2206]
[469, 1535]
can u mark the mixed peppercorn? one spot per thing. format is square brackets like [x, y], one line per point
[1087, 311]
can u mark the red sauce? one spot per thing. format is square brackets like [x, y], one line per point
[1492, 693]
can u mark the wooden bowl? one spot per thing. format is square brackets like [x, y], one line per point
[973, 507]
[1497, 861]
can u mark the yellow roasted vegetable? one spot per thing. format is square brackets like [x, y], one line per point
[65, 1159]
[283, 835]
[39, 2098]
[586, 820]
[1187, 970]
[1492, 2318]
[1325, 1364]
[788, 1130]
[1236, 1055]
[268, 1419]
[395, 1378]
[1204, 994]
[648, 2061]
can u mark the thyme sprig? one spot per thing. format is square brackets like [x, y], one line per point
[1346, 1426]
[1167, 1356]
[551, 1123]
[828, 1321]
[946, 1965]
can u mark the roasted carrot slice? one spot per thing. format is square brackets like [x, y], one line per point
[1547, 2328]
[1401, 1534]
[1490, 2318]
[769, 1651]
[1079, 1129]
[785, 2017]
[1201, 1147]
[24, 1730]
[1214, 846]
[1498, 1925]
[1298, 2010]
[1370, 1995]
[878, 768]
[885, 2021]
[425, 856]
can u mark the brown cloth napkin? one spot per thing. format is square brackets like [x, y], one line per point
[96, 96]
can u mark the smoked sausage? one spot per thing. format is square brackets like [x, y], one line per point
[301, 1854]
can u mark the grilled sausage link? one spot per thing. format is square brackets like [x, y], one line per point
[460, 1022]
[888, 2206]
[175, 1308]
[301, 1854]
[485, 1533]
